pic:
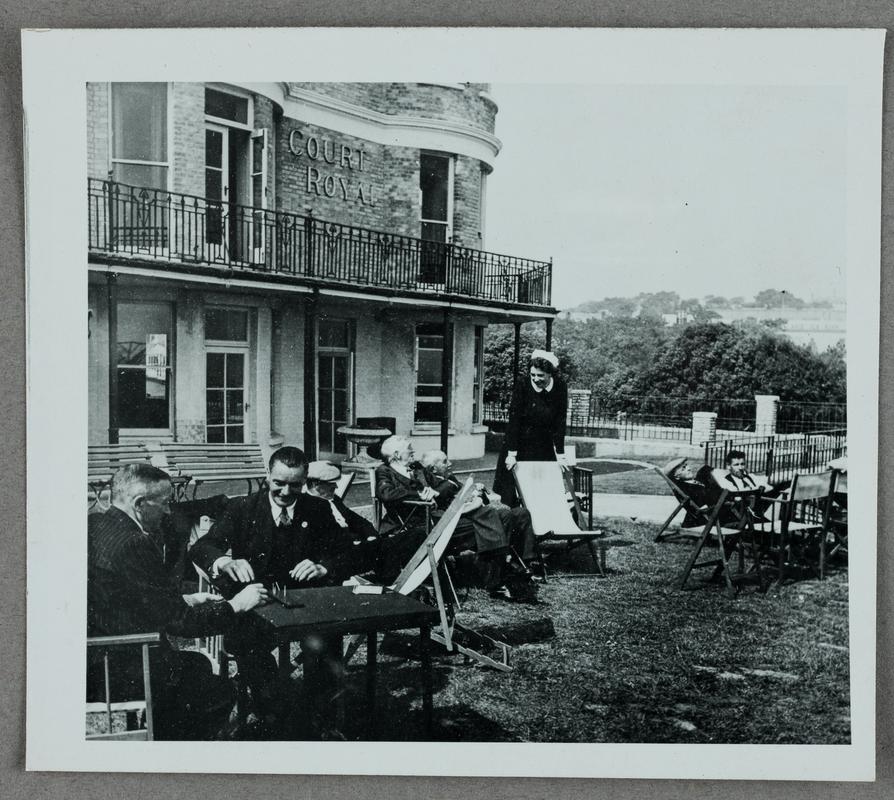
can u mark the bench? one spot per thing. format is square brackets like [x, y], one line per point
[104, 460]
[204, 463]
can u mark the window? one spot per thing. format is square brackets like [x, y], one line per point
[478, 375]
[226, 106]
[140, 134]
[429, 386]
[144, 367]
[226, 324]
[334, 384]
[436, 200]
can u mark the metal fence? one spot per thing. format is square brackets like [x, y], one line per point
[797, 417]
[780, 457]
[168, 226]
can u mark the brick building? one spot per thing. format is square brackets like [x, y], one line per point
[268, 262]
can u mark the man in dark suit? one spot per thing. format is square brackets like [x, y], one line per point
[130, 590]
[277, 535]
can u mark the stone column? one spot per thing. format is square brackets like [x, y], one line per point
[704, 427]
[765, 409]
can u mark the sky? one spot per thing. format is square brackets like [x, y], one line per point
[701, 190]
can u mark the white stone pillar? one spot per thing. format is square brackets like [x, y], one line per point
[578, 406]
[765, 407]
[704, 427]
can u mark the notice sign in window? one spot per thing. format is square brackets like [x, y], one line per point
[156, 365]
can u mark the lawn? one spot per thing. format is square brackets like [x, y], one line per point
[636, 659]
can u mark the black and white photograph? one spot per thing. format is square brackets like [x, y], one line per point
[423, 425]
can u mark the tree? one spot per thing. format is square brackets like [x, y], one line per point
[777, 298]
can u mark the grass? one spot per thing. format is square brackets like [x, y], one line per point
[636, 659]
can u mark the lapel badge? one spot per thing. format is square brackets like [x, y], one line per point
[304, 524]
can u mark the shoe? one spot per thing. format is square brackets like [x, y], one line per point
[501, 593]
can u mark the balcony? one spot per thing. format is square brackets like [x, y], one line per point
[188, 232]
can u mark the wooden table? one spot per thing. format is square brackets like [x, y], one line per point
[334, 611]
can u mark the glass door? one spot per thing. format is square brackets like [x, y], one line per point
[217, 190]
[335, 380]
[225, 395]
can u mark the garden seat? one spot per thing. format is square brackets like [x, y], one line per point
[542, 488]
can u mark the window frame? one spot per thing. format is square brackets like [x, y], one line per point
[169, 133]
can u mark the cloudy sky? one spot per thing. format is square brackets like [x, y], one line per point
[697, 189]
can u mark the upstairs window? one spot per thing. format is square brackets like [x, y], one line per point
[140, 134]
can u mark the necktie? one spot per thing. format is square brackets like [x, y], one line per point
[342, 522]
[284, 520]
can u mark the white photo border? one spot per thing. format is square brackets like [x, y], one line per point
[56, 67]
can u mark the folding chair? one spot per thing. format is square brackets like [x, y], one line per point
[689, 506]
[801, 521]
[101, 646]
[343, 484]
[403, 520]
[423, 565]
[730, 536]
[582, 479]
[542, 488]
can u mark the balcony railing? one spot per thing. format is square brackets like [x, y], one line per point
[167, 226]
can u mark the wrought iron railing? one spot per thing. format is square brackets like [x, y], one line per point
[168, 226]
[781, 457]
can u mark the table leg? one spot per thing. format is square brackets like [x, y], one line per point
[425, 658]
[371, 648]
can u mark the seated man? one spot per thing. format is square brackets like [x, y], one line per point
[734, 477]
[322, 481]
[129, 590]
[698, 486]
[402, 478]
[515, 521]
[277, 535]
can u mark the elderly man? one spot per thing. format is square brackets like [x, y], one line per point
[699, 486]
[515, 521]
[402, 478]
[129, 590]
[277, 535]
[322, 481]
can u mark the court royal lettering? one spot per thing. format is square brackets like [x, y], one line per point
[321, 181]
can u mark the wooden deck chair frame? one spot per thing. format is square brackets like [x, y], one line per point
[684, 503]
[731, 538]
[105, 643]
[423, 564]
[545, 525]
[414, 507]
[810, 495]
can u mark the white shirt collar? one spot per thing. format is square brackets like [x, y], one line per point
[548, 388]
[401, 469]
[277, 510]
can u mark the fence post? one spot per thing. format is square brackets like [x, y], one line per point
[704, 427]
[766, 407]
[768, 471]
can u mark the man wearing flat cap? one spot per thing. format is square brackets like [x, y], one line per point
[699, 486]
[361, 539]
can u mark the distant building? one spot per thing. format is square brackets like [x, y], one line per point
[267, 262]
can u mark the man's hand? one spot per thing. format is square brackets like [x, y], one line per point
[198, 598]
[251, 596]
[238, 570]
[471, 505]
[427, 493]
[306, 570]
[510, 462]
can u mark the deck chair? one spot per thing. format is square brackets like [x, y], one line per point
[731, 526]
[542, 488]
[800, 522]
[686, 504]
[101, 646]
[423, 565]
[343, 484]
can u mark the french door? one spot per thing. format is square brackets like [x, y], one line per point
[226, 406]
